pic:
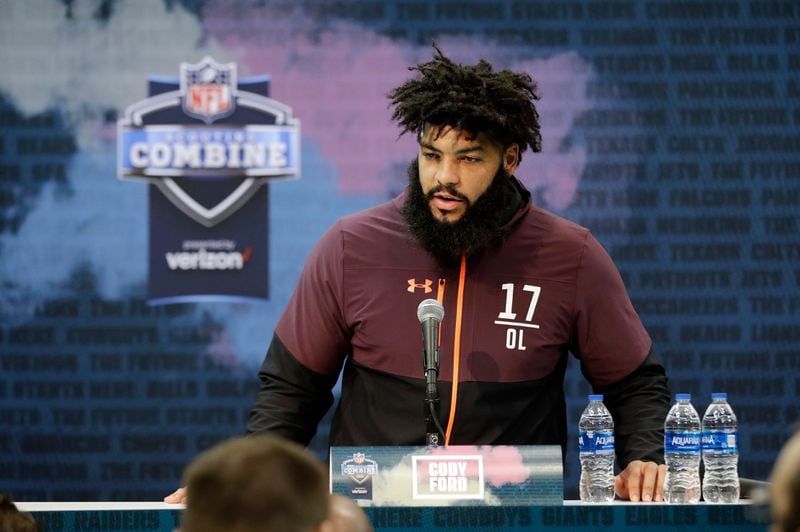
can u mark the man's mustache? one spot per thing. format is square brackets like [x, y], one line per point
[448, 189]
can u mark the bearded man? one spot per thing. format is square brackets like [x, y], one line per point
[523, 289]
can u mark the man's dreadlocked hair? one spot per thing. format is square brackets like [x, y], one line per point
[470, 98]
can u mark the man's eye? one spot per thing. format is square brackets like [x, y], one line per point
[471, 159]
[430, 155]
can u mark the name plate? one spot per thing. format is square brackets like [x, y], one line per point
[502, 475]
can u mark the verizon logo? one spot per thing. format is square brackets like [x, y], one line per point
[208, 260]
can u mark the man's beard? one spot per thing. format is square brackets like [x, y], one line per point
[479, 228]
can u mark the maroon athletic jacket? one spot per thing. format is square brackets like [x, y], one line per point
[512, 315]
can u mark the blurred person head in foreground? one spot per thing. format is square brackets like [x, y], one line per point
[347, 516]
[256, 483]
[785, 488]
[12, 520]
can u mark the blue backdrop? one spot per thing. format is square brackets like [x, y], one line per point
[670, 130]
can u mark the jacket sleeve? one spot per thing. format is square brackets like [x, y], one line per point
[305, 357]
[615, 352]
[292, 398]
[608, 337]
[639, 404]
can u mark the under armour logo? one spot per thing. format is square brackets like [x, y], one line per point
[413, 285]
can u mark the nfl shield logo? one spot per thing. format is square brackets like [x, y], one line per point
[208, 89]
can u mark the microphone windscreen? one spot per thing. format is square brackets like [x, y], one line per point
[430, 309]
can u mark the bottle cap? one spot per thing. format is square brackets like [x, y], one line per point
[596, 397]
[683, 397]
[719, 395]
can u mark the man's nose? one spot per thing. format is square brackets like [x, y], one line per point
[448, 172]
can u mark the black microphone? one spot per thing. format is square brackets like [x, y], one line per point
[430, 313]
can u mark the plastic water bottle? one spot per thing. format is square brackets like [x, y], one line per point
[682, 452]
[596, 432]
[720, 451]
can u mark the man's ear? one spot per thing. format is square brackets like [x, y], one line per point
[511, 159]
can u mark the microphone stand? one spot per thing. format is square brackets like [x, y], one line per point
[433, 428]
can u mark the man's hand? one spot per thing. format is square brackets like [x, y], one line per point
[641, 481]
[177, 497]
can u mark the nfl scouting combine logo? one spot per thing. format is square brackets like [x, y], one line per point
[208, 142]
[158, 152]
[359, 470]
